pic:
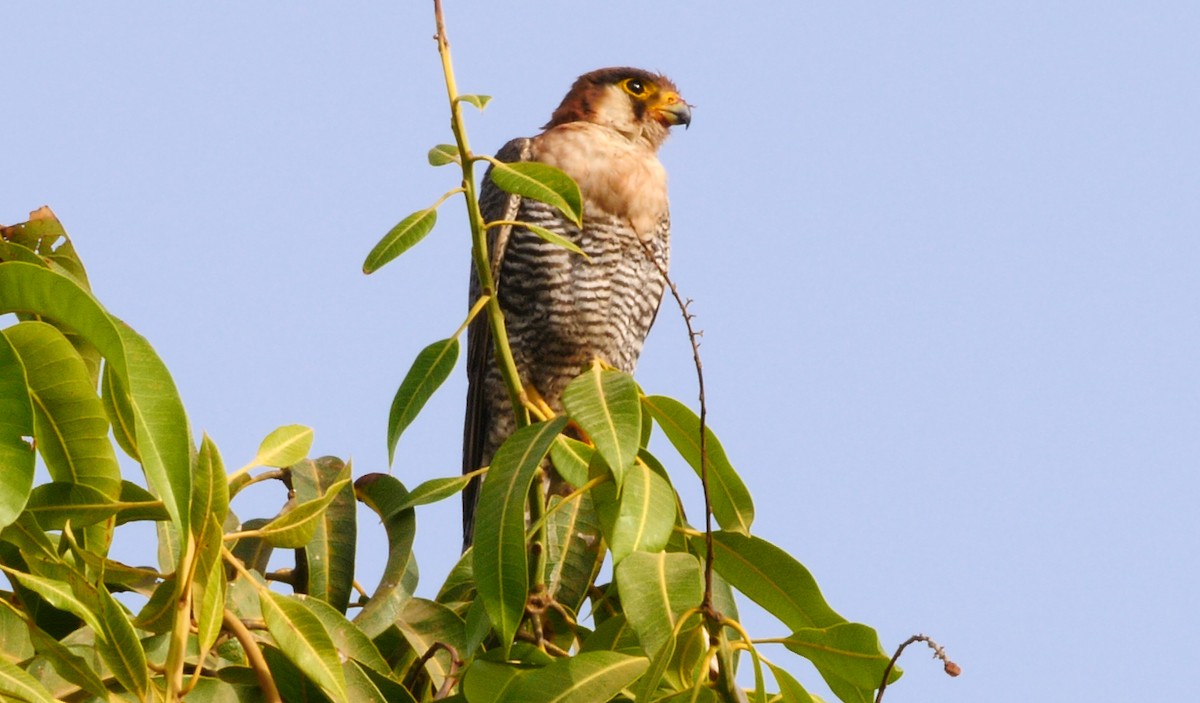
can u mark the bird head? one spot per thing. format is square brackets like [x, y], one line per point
[638, 104]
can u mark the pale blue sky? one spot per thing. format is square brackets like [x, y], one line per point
[945, 256]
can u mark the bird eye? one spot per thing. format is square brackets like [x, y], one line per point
[634, 86]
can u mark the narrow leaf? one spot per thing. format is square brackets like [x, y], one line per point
[641, 517]
[119, 646]
[284, 446]
[540, 182]
[847, 655]
[605, 404]
[58, 502]
[400, 239]
[574, 549]
[386, 495]
[571, 459]
[444, 154]
[772, 578]
[590, 677]
[731, 503]
[790, 690]
[16, 435]
[500, 560]
[436, 489]
[296, 525]
[349, 641]
[423, 623]
[430, 369]
[15, 682]
[58, 594]
[329, 555]
[555, 238]
[304, 641]
[655, 590]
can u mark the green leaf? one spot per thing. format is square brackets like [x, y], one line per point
[329, 555]
[479, 101]
[641, 518]
[571, 459]
[400, 239]
[284, 446]
[120, 411]
[790, 690]
[847, 655]
[58, 502]
[424, 622]
[304, 641]
[119, 646]
[555, 238]
[731, 503]
[772, 578]
[252, 550]
[58, 594]
[655, 590]
[590, 677]
[69, 665]
[20, 685]
[444, 154]
[297, 524]
[349, 641]
[431, 368]
[574, 550]
[164, 446]
[386, 496]
[16, 435]
[436, 489]
[540, 182]
[605, 404]
[70, 422]
[500, 560]
[490, 682]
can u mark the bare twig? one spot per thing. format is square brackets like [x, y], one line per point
[694, 338]
[950, 667]
[254, 655]
[451, 677]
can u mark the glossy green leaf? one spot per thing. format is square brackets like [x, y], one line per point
[656, 588]
[479, 101]
[571, 459]
[120, 411]
[574, 549]
[772, 578]
[605, 404]
[555, 238]
[430, 369]
[54, 504]
[16, 435]
[329, 555]
[137, 504]
[70, 422]
[790, 690]
[490, 681]
[161, 428]
[731, 503]
[847, 655]
[253, 551]
[444, 154]
[659, 663]
[66, 663]
[15, 682]
[590, 677]
[500, 563]
[400, 239]
[58, 594]
[386, 495]
[540, 182]
[389, 688]
[297, 524]
[436, 489]
[119, 646]
[350, 642]
[284, 446]
[425, 622]
[641, 518]
[44, 235]
[304, 641]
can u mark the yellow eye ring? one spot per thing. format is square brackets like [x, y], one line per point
[634, 86]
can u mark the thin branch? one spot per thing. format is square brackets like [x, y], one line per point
[949, 667]
[694, 338]
[255, 656]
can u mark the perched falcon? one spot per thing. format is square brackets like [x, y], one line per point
[562, 310]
